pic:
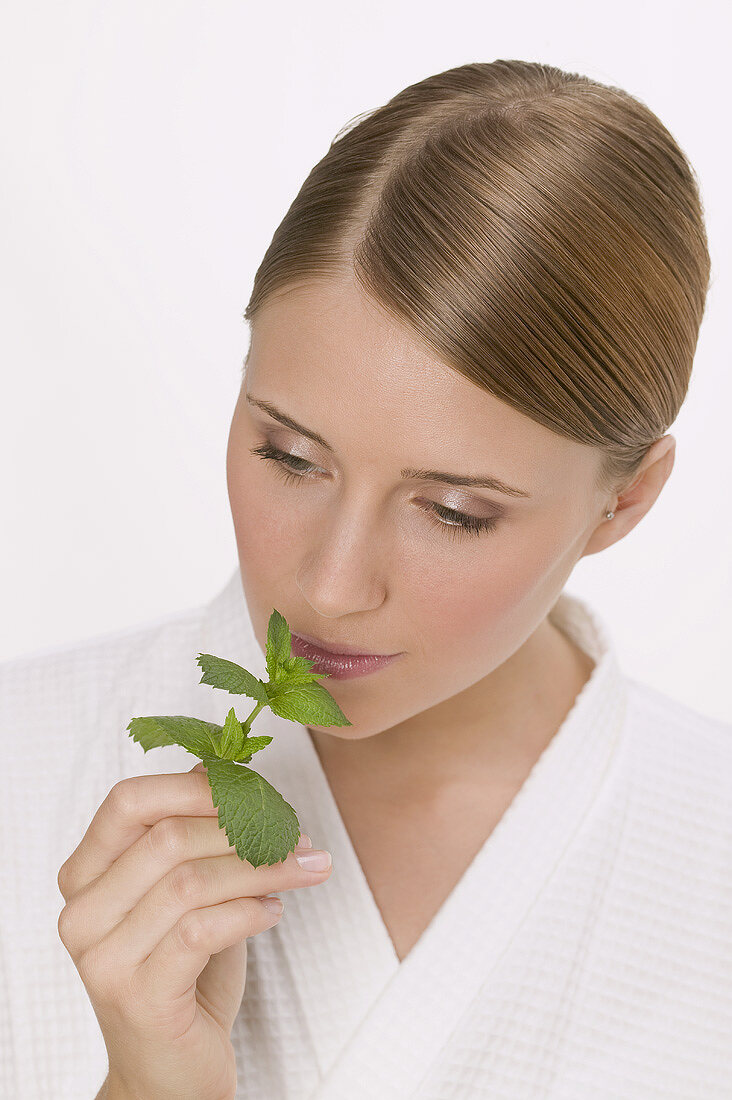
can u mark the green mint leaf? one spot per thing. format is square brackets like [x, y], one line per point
[310, 704]
[299, 671]
[279, 644]
[260, 825]
[193, 734]
[230, 677]
[232, 737]
[250, 746]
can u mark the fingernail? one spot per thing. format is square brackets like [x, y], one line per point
[304, 841]
[314, 861]
[275, 905]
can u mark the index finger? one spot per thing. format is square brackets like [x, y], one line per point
[132, 807]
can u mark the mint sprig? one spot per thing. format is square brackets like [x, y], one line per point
[259, 823]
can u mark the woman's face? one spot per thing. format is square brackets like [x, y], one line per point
[352, 552]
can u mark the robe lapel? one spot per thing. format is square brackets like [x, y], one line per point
[377, 1025]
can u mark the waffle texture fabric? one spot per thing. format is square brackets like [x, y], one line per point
[586, 951]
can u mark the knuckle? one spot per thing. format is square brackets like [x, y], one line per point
[69, 926]
[65, 925]
[192, 930]
[123, 798]
[63, 878]
[97, 978]
[187, 882]
[169, 838]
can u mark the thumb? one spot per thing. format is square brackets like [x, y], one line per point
[200, 767]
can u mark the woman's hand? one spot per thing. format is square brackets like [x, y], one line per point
[158, 911]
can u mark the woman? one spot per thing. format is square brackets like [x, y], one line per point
[469, 337]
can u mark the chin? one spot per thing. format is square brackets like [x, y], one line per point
[355, 732]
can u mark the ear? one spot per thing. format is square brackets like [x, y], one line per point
[637, 498]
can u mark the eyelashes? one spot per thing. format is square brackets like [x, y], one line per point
[460, 521]
[292, 468]
[283, 461]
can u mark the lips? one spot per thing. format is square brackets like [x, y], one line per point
[341, 649]
[341, 666]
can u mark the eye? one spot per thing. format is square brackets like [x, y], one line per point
[293, 468]
[285, 464]
[462, 524]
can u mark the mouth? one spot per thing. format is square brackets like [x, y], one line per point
[340, 650]
[340, 665]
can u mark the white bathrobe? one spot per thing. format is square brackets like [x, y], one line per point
[585, 954]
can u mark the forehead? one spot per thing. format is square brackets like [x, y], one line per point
[338, 362]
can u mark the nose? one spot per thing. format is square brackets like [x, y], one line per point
[342, 569]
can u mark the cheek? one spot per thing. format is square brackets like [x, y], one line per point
[265, 524]
[480, 606]
[261, 537]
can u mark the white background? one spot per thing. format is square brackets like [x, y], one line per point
[149, 151]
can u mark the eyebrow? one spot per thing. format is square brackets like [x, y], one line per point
[493, 483]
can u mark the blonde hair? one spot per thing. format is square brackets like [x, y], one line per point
[541, 232]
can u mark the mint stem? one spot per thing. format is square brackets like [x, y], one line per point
[247, 723]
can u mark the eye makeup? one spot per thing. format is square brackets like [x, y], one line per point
[293, 469]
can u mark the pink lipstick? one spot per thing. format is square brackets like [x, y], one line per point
[340, 666]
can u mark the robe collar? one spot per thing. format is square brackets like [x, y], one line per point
[354, 992]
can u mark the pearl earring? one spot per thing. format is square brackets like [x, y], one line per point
[609, 515]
